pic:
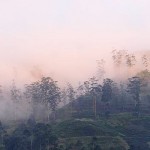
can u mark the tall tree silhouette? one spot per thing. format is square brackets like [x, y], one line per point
[95, 91]
[134, 88]
[50, 94]
[130, 62]
[145, 61]
[71, 94]
[107, 94]
[101, 69]
[45, 91]
[15, 97]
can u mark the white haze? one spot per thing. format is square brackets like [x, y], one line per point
[64, 40]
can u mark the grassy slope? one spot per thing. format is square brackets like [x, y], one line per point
[125, 127]
[105, 142]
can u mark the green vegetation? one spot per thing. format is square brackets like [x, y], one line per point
[119, 132]
[99, 114]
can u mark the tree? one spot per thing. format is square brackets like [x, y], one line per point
[145, 81]
[130, 62]
[115, 95]
[37, 137]
[90, 89]
[95, 91]
[18, 139]
[43, 137]
[101, 68]
[134, 88]
[107, 93]
[15, 97]
[71, 94]
[45, 92]
[117, 56]
[123, 58]
[119, 60]
[33, 95]
[3, 134]
[86, 87]
[64, 96]
[80, 90]
[123, 95]
[1, 93]
[50, 94]
[145, 61]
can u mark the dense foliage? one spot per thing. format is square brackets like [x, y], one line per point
[99, 114]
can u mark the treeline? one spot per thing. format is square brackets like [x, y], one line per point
[109, 97]
[29, 136]
[29, 111]
[42, 98]
[97, 96]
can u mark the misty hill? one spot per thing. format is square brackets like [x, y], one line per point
[130, 131]
[100, 113]
[118, 132]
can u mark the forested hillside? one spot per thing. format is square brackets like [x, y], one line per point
[99, 114]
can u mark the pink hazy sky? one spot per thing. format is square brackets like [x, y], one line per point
[64, 38]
